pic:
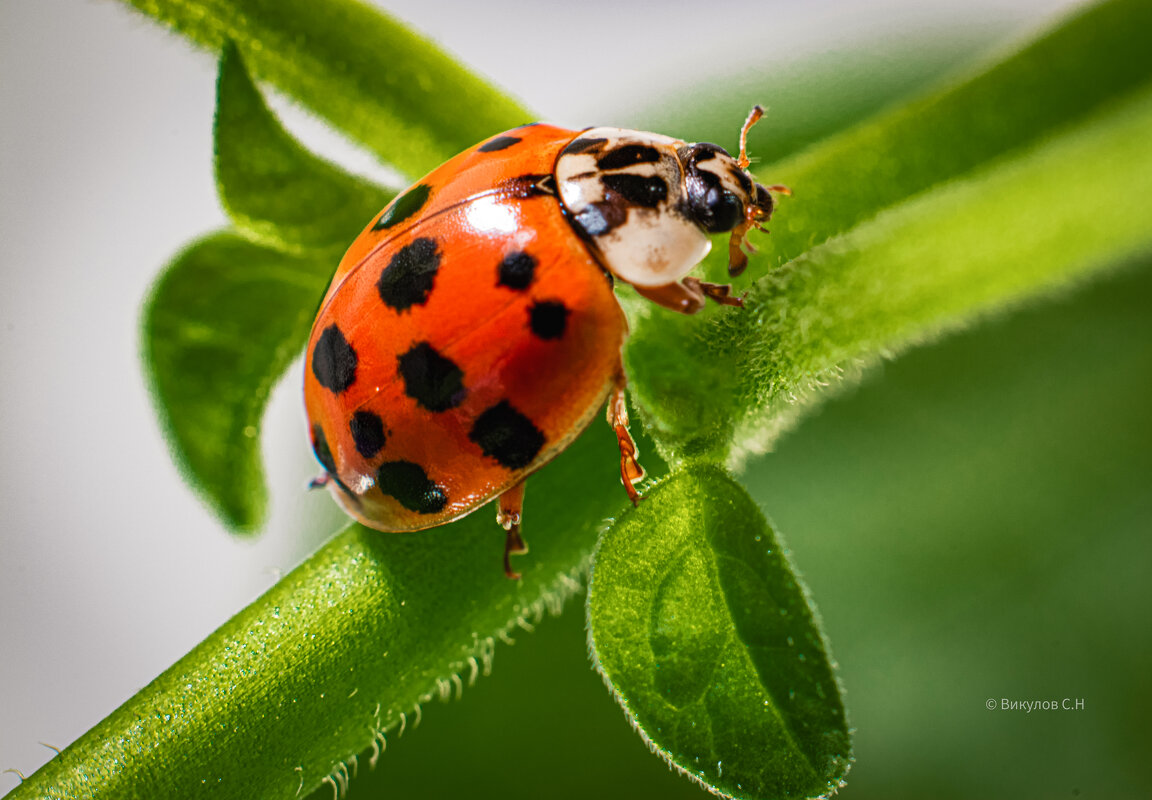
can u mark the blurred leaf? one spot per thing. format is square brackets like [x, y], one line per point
[344, 647]
[809, 97]
[1055, 83]
[367, 74]
[220, 326]
[965, 202]
[705, 636]
[276, 192]
[974, 522]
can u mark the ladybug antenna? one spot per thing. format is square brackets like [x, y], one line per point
[753, 117]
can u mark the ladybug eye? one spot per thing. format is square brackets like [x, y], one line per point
[711, 205]
[713, 208]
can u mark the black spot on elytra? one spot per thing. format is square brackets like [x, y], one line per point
[334, 361]
[322, 450]
[648, 191]
[433, 381]
[411, 487]
[517, 270]
[499, 143]
[628, 155]
[324, 456]
[409, 276]
[367, 433]
[404, 207]
[548, 319]
[506, 435]
[580, 145]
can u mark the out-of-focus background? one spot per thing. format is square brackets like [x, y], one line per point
[973, 520]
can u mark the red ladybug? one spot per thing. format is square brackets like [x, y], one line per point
[471, 332]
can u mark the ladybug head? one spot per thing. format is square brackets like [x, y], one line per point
[721, 196]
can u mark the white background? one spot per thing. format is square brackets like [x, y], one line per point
[110, 569]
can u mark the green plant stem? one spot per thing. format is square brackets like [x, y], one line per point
[392, 90]
[342, 651]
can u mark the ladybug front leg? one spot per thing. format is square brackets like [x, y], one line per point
[630, 470]
[508, 508]
[689, 295]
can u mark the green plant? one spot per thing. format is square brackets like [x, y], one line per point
[906, 226]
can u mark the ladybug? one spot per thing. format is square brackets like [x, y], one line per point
[471, 331]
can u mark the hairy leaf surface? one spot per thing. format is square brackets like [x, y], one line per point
[705, 635]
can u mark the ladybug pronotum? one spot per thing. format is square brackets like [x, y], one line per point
[471, 332]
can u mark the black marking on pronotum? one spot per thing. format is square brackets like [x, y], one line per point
[404, 207]
[600, 218]
[628, 155]
[548, 319]
[517, 270]
[334, 361]
[411, 486]
[648, 191]
[409, 276]
[506, 435]
[530, 185]
[580, 145]
[324, 456]
[741, 178]
[433, 381]
[367, 433]
[499, 143]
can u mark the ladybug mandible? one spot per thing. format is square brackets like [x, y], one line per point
[471, 332]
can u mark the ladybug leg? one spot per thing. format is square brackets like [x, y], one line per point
[508, 507]
[630, 470]
[717, 292]
[689, 295]
[320, 481]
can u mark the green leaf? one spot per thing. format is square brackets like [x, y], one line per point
[344, 651]
[978, 187]
[705, 636]
[276, 192]
[369, 75]
[810, 97]
[1039, 223]
[1064, 77]
[221, 325]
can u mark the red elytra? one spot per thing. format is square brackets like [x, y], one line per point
[471, 331]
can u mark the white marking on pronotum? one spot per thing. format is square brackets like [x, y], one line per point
[300, 788]
[459, 684]
[403, 723]
[335, 790]
[475, 670]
